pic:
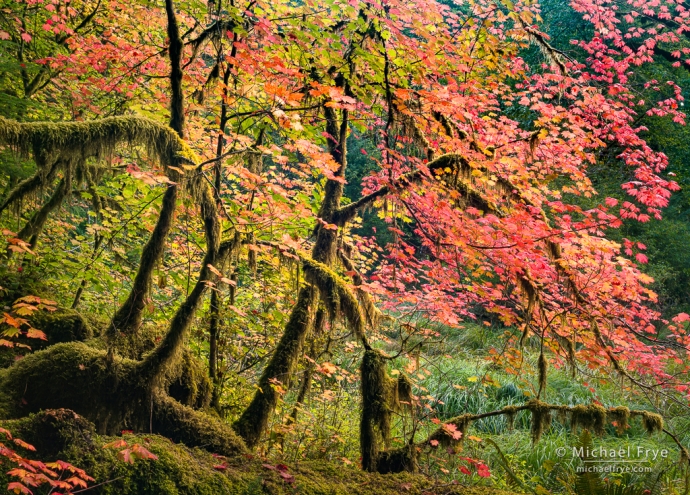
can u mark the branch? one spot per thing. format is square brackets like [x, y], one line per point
[29, 185]
[453, 169]
[70, 140]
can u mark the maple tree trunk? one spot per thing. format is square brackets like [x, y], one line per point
[33, 227]
[128, 317]
[254, 419]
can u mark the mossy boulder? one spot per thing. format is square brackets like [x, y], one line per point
[180, 470]
[62, 325]
[70, 375]
[53, 431]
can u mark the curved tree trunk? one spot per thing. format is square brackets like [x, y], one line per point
[127, 319]
[254, 419]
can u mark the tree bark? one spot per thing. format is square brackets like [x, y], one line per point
[34, 226]
[254, 419]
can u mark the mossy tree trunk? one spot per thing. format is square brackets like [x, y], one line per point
[253, 421]
[127, 319]
[34, 226]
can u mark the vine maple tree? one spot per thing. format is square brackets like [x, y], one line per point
[482, 175]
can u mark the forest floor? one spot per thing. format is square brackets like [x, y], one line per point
[179, 470]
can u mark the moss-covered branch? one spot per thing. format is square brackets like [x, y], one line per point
[95, 138]
[151, 368]
[33, 227]
[453, 169]
[591, 417]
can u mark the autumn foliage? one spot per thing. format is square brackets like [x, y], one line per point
[202, 164]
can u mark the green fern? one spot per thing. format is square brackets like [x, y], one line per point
[588, 483]
[512, 477]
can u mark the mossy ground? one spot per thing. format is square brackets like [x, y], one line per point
[180, 470]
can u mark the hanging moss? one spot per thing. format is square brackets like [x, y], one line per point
[94, 138]
[621, 416]
[510, 413]
[541, 418]
[591, 417]
[404, 389]
[562, 415]
[652, 422]
[25, 188]
[34, 226]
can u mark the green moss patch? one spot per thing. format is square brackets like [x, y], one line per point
[180, 470]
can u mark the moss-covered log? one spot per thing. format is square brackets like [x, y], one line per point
[73, 376]
[193, 428]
